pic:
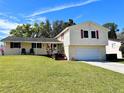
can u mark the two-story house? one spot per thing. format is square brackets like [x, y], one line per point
[86, 41]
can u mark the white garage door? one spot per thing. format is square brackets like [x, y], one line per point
[88, 54]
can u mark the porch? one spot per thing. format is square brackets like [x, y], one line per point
[39, 48]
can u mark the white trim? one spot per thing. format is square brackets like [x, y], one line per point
[66, 29]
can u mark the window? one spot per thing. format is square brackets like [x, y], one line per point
[33, 45]
[85, 34]
[39, 45]
[15, 45]
[93, 34]
[113, 45]
[36, 45]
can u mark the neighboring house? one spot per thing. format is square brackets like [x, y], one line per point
[113, 48]
[86, 41]
[41, 46]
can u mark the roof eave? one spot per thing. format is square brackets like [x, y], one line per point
[62, 32]
[34, 42]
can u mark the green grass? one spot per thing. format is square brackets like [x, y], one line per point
[120, 61]
[36, 74]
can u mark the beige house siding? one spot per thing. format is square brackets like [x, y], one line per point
[10, 51]
[65, 38]
[27, 46]
[75, 35]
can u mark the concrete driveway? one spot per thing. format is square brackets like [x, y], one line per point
[116, 67]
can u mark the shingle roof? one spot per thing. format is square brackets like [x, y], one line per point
[22, 39]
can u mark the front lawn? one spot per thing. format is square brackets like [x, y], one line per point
[36, 74]
[120, 61]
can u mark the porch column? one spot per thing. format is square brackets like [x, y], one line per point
[36, 48]
[20, 48]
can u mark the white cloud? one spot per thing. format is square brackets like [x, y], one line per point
[36, 19]
[79, 16]
[7, 16]
[13, 18]
[61, 7]
[6, 26]
[4, 31]
[1, 37]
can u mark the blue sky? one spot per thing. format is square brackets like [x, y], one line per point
[14, 12]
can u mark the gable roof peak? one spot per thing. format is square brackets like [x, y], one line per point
[87, 23]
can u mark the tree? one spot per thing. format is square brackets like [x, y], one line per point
[35, 30]
[27, 30]
[57, 27]
[24, 30]
[122, 49]
[43, 29]
[113, 30]
[71, 22]
[60, 25]
[14, 32]
[47, 29]
[121, 35]
[41, 26]
[17, 32]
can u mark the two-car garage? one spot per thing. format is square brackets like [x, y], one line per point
[87, 53]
